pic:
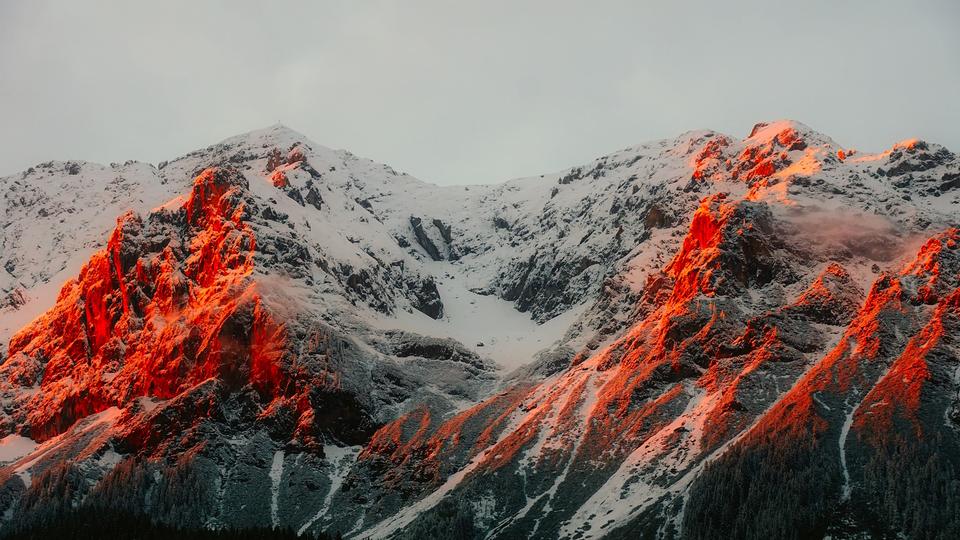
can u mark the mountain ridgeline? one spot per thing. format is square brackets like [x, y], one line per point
[700, 336]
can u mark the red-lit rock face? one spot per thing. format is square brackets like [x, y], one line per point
[898, 395]
[869, 346]
[695, 374]
[768, 162]
[167, 305]
[769, 149]
[893, 406]
[609, 404]
[710, 162]
[691, 267]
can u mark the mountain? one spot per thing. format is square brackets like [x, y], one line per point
[756, 336]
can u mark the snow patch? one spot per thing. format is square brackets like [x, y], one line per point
[844, 432]
[341, 459]
[14, 447]
[486, 324]
[276, 472]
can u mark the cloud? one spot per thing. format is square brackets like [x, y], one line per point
[844, 232]
[465, 92]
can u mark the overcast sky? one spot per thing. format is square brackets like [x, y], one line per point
[457, 92]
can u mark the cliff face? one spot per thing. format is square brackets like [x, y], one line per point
[752, 335]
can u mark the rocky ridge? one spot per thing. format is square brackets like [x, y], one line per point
[296, 340]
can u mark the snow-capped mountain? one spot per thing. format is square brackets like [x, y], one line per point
[694, 335]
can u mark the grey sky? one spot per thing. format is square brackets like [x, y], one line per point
[456, 92]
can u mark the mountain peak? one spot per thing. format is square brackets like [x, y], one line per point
[276, 134]
[784, 131]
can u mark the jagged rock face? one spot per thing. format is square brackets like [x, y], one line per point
[54, 216]
[173, 302]
[617, 444]
[174, 333]
[168, 304]
[876, 410]
[758, 336]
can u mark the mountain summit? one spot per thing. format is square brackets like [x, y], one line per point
[701, 334]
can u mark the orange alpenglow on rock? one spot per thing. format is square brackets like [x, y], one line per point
[161, 318]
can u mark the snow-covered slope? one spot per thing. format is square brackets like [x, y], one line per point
[57, 214]
[284, 334]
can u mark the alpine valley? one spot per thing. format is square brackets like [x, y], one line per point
[699, 337]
